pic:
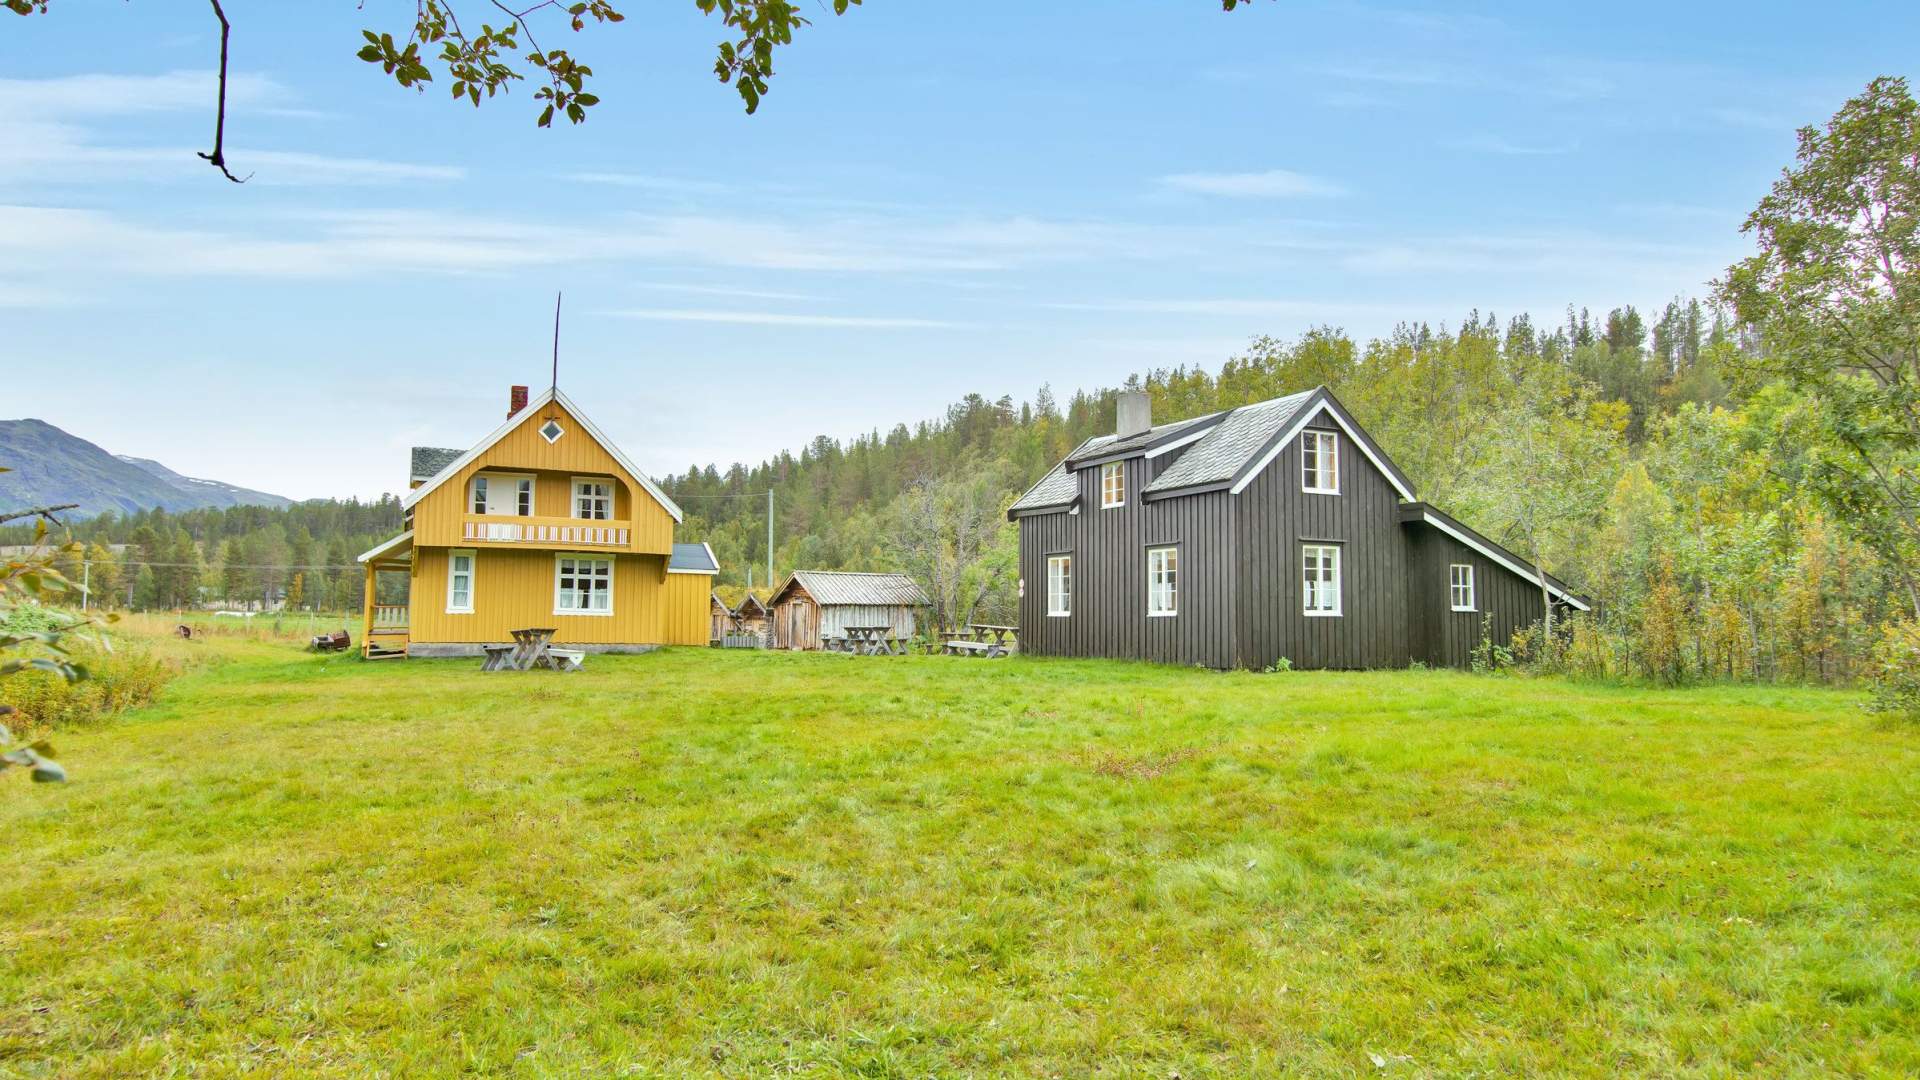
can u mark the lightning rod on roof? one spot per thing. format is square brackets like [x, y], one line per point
[555, 385]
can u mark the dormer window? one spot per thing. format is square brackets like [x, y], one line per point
[1113, 485]
[1320, 462]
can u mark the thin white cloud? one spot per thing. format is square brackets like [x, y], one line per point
[43, 151]
[107, 94]
[649, 182]
[770, 318]
[1495, 144]
[723, 290]
[1271, 184]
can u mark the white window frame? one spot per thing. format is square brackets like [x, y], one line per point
[1460, 587]
[1313, 589]
[472, 558]
[1060, 600]
[1324, 448]
[591, 482]
[560, 560]
[1113, 485]
[1170, 570]
[523, 493]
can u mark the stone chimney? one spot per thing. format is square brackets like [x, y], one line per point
[516, 401]
[1133, 412]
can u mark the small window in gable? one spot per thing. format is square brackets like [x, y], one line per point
[1113, 485]
[1320, 462]
[1460, 586]
[551, 430]
[592, 499]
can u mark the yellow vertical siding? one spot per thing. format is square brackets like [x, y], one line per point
[513, 589]
[438, 518]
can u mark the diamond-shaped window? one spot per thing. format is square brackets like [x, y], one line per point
[551, 431]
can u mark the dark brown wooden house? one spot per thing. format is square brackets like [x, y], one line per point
[1272, 530]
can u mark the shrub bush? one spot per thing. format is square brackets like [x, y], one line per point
[116, 680]
[1896, 670]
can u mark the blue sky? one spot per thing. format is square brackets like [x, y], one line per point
[934, 200]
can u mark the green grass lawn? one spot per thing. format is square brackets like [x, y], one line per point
[742, 864]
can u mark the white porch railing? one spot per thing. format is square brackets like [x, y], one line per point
[389, 617]
[503, 532]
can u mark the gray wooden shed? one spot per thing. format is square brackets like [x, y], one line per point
[815, 604]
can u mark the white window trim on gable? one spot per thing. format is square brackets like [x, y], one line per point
[514, 478]
[1326, 459]
[1065, 562]
[554, 396]
[1113, 469]
[577, 557]
[1456, 586]
[603, 481]
[1292, 432]
[1172, 572]
[472, 567]
[1339, 586]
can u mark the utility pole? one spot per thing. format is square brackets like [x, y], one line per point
[770, 583]
[86, 581]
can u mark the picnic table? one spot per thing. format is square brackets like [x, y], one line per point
[982, 639]
[867, 641]
[529, 650]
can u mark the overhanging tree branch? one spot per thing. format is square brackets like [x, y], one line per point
[46, 512]
[218, 159]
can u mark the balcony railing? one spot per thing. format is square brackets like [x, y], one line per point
[569, 532]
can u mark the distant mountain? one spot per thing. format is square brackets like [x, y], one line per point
[51, 466]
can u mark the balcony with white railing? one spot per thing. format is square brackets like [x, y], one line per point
[547, 532]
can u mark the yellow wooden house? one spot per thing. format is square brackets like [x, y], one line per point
[544, 523]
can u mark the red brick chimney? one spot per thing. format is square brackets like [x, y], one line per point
[516, 402]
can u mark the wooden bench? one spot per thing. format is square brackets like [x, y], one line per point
[499, 657]
[962, 647]
[565, 659]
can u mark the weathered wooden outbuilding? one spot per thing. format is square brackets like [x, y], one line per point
[752, 616]
[812, 605]
[720, 616]
[1273, 530]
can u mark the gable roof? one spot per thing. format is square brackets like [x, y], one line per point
[428, 461]
[753, 602]
[692, 559]
[840, 587]
[1220, 455]
[552, 394]
[1112, 446]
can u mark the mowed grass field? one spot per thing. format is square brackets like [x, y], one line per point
[737, 864]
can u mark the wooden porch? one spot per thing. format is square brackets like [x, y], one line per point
[384, 633]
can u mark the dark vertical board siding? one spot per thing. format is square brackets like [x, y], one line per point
[1109, 549]
[1240, 589]
[1510, 600]
[1275, 517]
